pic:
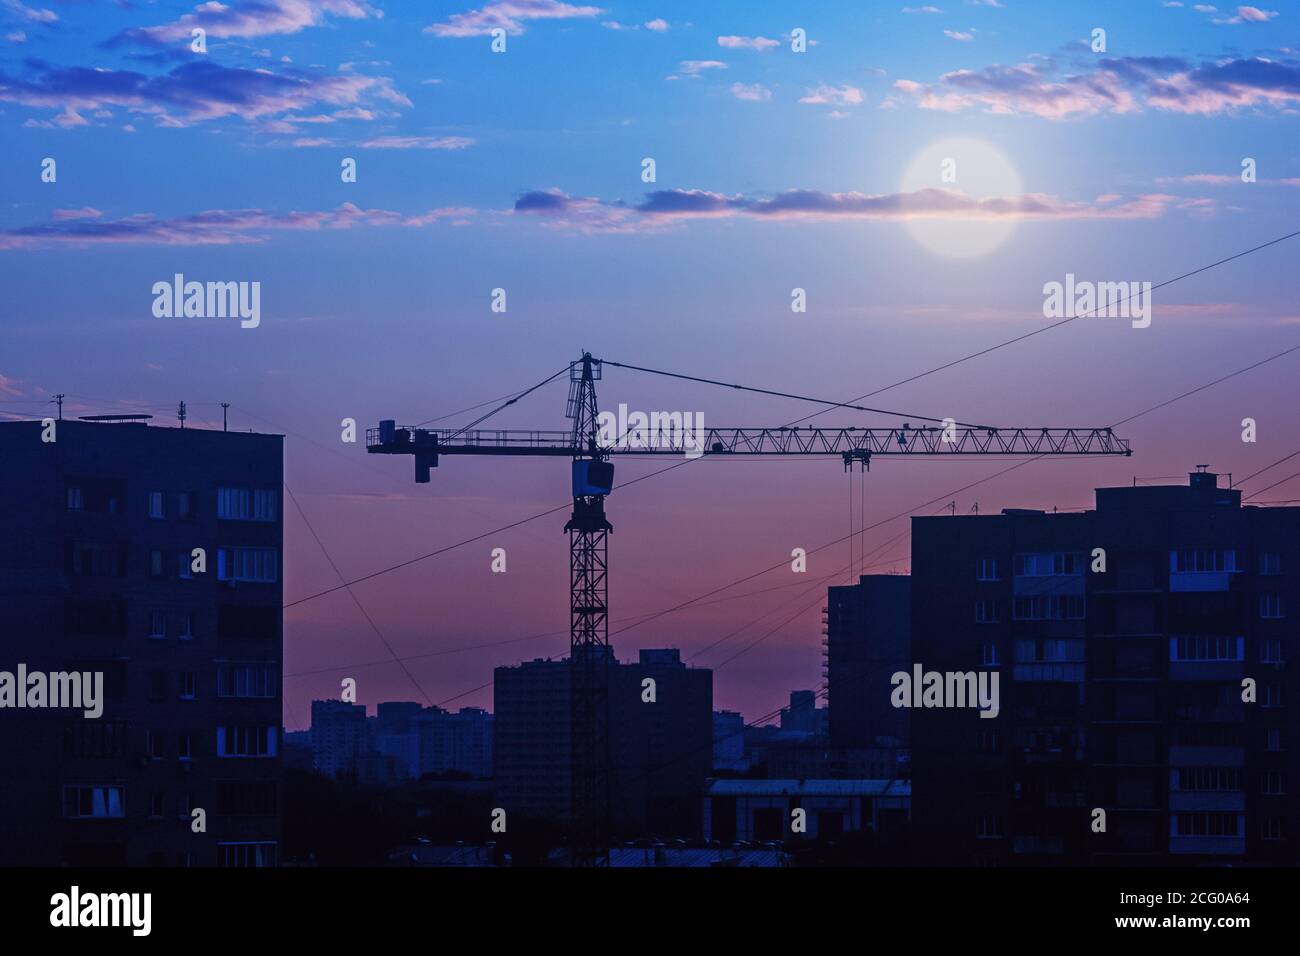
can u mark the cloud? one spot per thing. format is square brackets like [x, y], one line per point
[214, 227]
[30, 14]
[18, 36]
[922, 10]
[1122, 85]
[664, 207]
[419, 142]
[692, 67]
[251, 19]
[192, 92]
[958, 35]
[752, 92]
[85, 212]
[657, 25]
[508, 15]
[748, 43]
[1248, 15]
[838, 95]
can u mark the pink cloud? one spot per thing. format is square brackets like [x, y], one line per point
[659, 208]
[266, 18]
[218, 227]
[508, 15]
[418, 142]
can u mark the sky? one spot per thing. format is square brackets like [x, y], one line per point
[919, 171]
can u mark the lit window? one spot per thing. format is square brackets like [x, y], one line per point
[157, 504]
[106, 802]
[75, 500]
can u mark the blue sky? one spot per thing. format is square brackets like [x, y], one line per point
[522, 170]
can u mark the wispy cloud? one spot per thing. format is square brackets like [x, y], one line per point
[30, 14]
[752, 92]
[419, 142]
[588, 214]
[1247, 15]
[760, 44]
[508, 15]
[252, 19]
[837, 95]
[192, 92]
[963, 36]
[215, 227]
[1121, 85]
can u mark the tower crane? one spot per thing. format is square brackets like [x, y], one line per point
[588, 528]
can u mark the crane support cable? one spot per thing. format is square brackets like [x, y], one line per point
[801, 398]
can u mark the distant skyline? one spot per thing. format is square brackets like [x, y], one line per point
[523, 171]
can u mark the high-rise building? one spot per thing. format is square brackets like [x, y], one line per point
[868, 639]
[660, 741]
[1147, 704]
[339, 737]
[151, 556]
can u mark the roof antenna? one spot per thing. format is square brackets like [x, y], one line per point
[224, 406]
[59, 400]
[180, 414]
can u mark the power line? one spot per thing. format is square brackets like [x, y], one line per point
[364, 612]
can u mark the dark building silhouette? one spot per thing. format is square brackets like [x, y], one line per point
[98, 533]
[660, 752]
[1120, 689]
[868, 639]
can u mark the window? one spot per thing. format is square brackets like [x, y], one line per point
[157, 564]
[986, 612]
[989, 826]
[1272, 695]
[1270, 650]
[157, 625]
[95, 738]
[157, 686]
[154, 745]
[1206, 778]
[185, 747]
[189, 684]
[245, 741]
[184, 566]
[246, 680]
[988, 741]
[1208, 824]
[1270, 562]
[93, 802]
[1270, 828]
[265, 504]
[246, 798]
[1270, 605]
[246, 854]
[76, 501]
[1205, 648]
[986, 569]
[1197, 560]
[1049, 607]
[184, 504]
[243, 504]
[1047, 564]
[157, 504]
[989, 654]
[186, 622]
[1273, 738]
[156, 801]
[260, 565]
[1272, 783]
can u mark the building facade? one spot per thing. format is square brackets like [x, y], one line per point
[150, 556]
[1147, 702]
